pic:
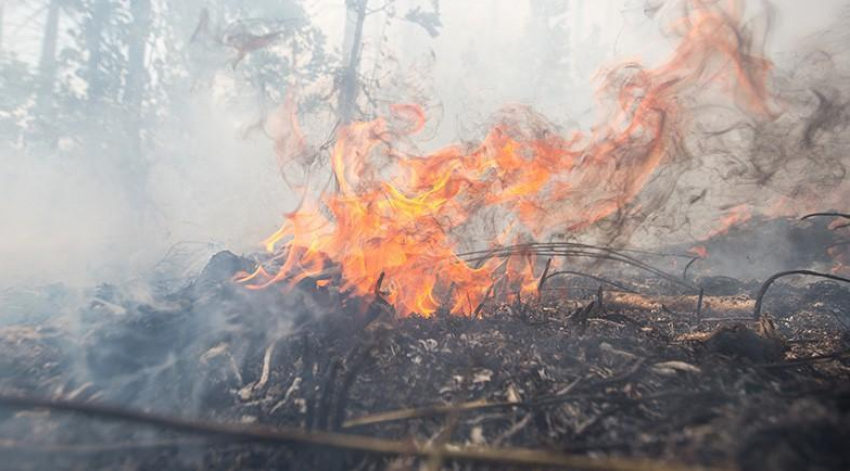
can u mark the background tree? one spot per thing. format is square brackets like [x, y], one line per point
[351, 81]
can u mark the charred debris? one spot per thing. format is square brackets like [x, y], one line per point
[621, 366]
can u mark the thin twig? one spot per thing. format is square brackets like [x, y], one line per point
[806, 361]
[570, 249]
[769, 281]
[515, 428]
[428, 411]
[481, 405]
[484, 300]
[543, 278]
[699, 305]
[378, 285]
[379, 446]
[253, 387]
[727, 319]
[815, 215]
[685, 271]
[600, 298]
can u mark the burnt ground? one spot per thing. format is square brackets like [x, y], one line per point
[633, 376]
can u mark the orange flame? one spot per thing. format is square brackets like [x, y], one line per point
[736, 215]
[700, 251]
[403, 220]
[839, 261]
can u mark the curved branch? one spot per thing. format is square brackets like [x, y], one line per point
[570, 249]
[685, 271]
[769, 281]
[816, 215]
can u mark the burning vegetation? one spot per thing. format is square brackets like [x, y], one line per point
[540, 299]
[405, 219]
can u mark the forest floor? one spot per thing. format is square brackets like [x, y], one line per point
[609, 379]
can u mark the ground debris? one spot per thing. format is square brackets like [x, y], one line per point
[636, 377]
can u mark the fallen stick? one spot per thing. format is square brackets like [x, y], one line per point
[728, 319]
[769, 281]
[427, 411]
[430, 411]
[815, 215]
[244, 433]
[806, 361]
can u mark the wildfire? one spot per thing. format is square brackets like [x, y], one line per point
[736, 215]
[700, 251]
[400, 222]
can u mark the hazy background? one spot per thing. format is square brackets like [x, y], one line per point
[131, 131]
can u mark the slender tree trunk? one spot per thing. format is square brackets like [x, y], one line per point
[47, 62]
[137, 75]
[94, 42]
[2, 4]
[356, 16]
[134, 94]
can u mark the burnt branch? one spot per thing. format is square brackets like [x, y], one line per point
[816, 215]
[808, 361]
[685, 271]
[570, 249]
[757, 315]
[358, 443]
[543, 277]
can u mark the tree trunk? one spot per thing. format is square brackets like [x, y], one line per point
[137, 76]
[2, 4]
[94, 41]
[356, 16]
[136, 168]
[47, 62]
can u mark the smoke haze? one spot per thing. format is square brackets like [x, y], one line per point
[78, 210]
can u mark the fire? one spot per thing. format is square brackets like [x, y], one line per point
[400, 221]
[736, 215]
[700, 251]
